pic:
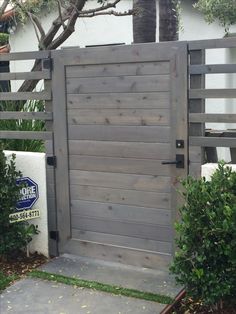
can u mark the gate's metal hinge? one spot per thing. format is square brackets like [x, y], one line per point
[47, 64]
[54, 235]
[52, 161]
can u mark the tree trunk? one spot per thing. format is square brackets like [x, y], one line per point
[168, 20]
[144, 21]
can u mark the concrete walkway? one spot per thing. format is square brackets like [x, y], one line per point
[31, 296]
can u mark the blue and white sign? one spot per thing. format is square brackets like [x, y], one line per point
[29, 193]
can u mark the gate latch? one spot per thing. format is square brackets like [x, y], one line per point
[179, 162]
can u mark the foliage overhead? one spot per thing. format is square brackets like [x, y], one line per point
[205, 262]
[223, 11]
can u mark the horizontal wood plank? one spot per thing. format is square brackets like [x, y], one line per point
[121, 181]
[119, 196]
[212, 141]
[27, 55]
[107, 70]
[212, 93]
[30, 135]
[152, 100]
[212, 68]
[212, 44]
[119, 116]
[120, 149]
[121, 212]
[121, 84]
[149, 134]
[119, 254]
[11, 115]
[137, 243]
[212, 117]
[146, 231]
[36, 75]
[120, 165]
[44, 95]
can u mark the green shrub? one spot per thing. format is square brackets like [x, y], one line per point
[13, 236]
[4, 39]
[22, 125]
[205, 261]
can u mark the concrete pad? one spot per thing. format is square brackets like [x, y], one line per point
[31, 296]
[142, 279]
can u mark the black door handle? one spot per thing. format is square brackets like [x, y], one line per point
[179, 162]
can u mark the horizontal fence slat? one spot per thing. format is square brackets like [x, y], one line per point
[44, 95]
[212, 44]
[131, 242]
[39, 135]
[119, 84]
[120, 149]
[119, 116]
[154, 100]
[212, 93]
[208, 117]
[101, 70]
[12, 115]
[29, 55]
[37, 75]
[212, 68]
[212, 141]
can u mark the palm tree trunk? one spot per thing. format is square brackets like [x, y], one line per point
[144, 21]
[168, 20]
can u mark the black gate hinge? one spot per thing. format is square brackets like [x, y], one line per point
[54, 235]
[52, 161]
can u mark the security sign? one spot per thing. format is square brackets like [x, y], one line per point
[29, 193]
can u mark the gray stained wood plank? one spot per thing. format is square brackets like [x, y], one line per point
[121, 84]
[119, 54]
[212, 44]
[30, 135]
[121, 181]
[11, 115]
[121, 212]
[37, 75]
[44, 95]
[146, 231]
[212, 117]
[212, 68]
[195, 153]
[212, 141]
[149, 134]
[120, 165]
[137, 243]
[119, 196]
[119, 254]
[106, 70]
[212, 93]
[27, 55]
[154, 100]
[120, 149]
[119, 116]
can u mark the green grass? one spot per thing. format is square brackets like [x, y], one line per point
[101, 287]
[6, 280]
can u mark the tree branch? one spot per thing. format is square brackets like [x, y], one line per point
[111, 12]
[4, 6]
[101, 8]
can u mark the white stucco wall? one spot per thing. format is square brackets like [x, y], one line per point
[209, 169]
[33, 165]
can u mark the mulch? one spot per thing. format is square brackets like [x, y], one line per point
[21, 264]
[187, 306]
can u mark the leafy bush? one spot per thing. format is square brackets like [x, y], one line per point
[13, 236]
[205, 262]
[22, 125]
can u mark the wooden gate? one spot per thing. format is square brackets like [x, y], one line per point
[120, 116]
